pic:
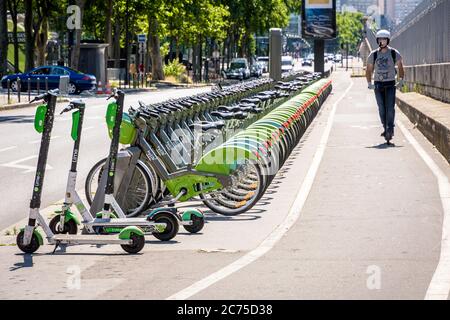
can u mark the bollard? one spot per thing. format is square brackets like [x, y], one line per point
[29, 92]
[8, 84]
[38, 86]
[19, 88]
[120, 78]
[46, 84]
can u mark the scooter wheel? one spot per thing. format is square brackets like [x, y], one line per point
[171, 226]
[137, 245]
[70, 227]
[388, 138]
[32, 247]
[197, 224]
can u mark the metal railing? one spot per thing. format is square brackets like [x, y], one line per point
[424, 36]
[420, 10]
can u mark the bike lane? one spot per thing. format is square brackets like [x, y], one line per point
[370, 227]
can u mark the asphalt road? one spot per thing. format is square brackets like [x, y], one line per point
[345, 218]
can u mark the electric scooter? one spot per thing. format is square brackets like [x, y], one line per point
[29, 239]
[162, 223]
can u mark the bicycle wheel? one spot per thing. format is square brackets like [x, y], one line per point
[139, 193]
[240, 197]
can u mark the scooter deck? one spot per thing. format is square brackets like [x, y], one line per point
[123, 222]
[115, 225]
[88, 239]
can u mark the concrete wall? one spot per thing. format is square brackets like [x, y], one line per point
[431, 117]
[432, 80]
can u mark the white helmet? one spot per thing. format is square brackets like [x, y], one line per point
[383, 34]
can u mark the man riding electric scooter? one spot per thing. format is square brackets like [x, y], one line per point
[382, 63]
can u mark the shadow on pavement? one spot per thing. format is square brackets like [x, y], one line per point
[17, 119]
[241, 217]
[384, 146]
[27, 262]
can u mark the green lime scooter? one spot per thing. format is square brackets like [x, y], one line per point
[29, 239]
[162, 223]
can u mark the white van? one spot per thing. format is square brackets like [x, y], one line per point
[287, 63]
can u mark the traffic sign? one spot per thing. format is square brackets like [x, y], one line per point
[142, 38]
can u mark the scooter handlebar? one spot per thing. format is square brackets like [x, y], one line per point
[53, 92]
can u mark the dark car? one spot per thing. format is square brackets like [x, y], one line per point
[307, 62]
[78, 81]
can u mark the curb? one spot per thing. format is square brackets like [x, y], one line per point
[25, 105]
[430, 116]
[181, 86]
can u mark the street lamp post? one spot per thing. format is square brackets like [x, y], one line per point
[127, 39]
[346, 68]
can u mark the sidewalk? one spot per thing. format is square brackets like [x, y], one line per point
[430, 116]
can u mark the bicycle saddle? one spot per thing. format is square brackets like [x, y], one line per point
[228, 108]
[205, 125]
[223, 115]
[254, 100]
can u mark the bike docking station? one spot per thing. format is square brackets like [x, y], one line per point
[159, 166]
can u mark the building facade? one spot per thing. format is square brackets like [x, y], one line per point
[355, 5]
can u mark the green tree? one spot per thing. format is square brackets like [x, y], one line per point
[3, 38]
[249, 17]
[13, 7]
[349, 25]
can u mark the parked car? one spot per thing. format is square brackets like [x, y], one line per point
[307, 62]
[239, 69]
[287, 63]
[265, 63]
[78, 81]
[338, 58]
[256, 70]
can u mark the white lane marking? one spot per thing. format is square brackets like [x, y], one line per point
[8, 148]
[16, 165]
[279, 232]
[439, 287]
[39, 141]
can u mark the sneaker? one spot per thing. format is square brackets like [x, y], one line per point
[383, 134]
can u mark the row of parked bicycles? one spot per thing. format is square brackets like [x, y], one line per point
[222, 147]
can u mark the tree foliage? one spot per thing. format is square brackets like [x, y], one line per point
[349, 25]
[182, 23]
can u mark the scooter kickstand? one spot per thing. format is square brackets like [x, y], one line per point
[56, 246]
